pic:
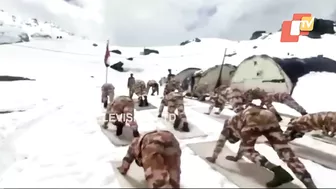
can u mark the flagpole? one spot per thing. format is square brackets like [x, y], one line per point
[106, 74]
[218, 83]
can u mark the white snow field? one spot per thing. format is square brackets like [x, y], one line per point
[56, 141]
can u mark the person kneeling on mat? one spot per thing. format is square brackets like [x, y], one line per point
[159, 154]
[121, 112]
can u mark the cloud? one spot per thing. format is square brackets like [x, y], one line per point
[168, 22]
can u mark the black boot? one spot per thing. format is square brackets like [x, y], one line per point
[177, 122]
[105, 104]
[136, 133]
[185, 127]
[159, 115]
[279, 118]
[141, 102]
[294, 135]
[188, 94]
[281, 176]
[307, 180]
[201, 98]
[145, 101]
[119, 131]
[119, 126]
[304, 113]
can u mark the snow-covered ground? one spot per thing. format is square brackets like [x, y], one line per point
[13, 28]
[56, 141]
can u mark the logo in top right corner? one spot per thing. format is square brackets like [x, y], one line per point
[300, 25]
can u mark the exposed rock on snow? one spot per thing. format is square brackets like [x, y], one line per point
[10, 111]
[40, 35]
[149, 51]
[9, 35]
[14, 78]
[116, 51]
[321, 27]
[197, 40]
[297, 67]
[118, 66]
[257, 34]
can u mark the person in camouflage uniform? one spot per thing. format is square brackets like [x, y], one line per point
[139, 88]
[215, 101]
[107, 95]
[229, 95]
[163, 81]
[170, 75]
[159, 153]
[200, 91]
[174, 100]
[324, 121]
[248, 125]
[130, 83]
[172, 85]
[268, 98]
[121, 105]
[154, 85]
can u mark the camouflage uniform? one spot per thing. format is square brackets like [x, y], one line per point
[170, 75]
[268, 98]
[257, 93]
[325, 121]
[174, 100]
[162, 81]
[159, 153]
[139, 88]
[249, 125]
[107, 93]
[154, 85]
[121, 105]
[172, 85]
[214, 99]
[130, 83]
[230, 95]
[200, 91]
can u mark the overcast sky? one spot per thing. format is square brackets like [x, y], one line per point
[168, 22]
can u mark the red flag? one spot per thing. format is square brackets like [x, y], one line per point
[107, 55]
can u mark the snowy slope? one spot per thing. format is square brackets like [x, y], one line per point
[12, 27]
[57, 142]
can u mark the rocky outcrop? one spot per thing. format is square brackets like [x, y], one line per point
[116, 51]
[24, 37]
[298, 67]
[10, 111]
[257, 34]
[118, 66]
[14, 78]
[197, 40]
[149, 51]
[39, 35]
[321, 27]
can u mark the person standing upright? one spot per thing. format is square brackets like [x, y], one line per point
[130, 83]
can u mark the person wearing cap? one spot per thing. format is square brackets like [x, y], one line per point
[170, 75]
[130, 83]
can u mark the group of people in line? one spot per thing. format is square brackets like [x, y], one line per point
[159, 153]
